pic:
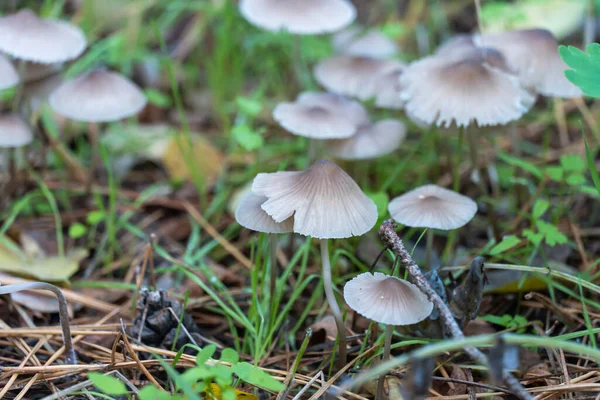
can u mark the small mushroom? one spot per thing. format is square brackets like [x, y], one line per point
[534, 56]
[387, 300]
[326, 204]
[25, 36]
[320, 116]
[14, 132]
[306, 17]
[97, 96]
[475, 85]
[8, 75]
[370, 141]
[353, 76]
[358, 41]
[432, 207]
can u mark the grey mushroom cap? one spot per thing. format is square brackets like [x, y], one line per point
[14, 132]
[98, 96]
[386, 299]
[8, 75]
[357, 41]
[534, 56]
[352, 75]
[474, 86]
[321, 116]
[25, 36]
[371, 141]
[306, 17]
[250, 215]
[432, 207]
[324, 201]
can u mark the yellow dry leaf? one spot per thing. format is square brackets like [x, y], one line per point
[391, 388]
[45, 268]
[207, 160]
[509, 281]
[216, 391]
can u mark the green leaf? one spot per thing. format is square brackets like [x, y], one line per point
[534, 237]
[157, 98]
[228, 394]
[507, 242]
[381, 200]
[585, 67]
[95, 217]
[552, 235]
[572, 162]
[151, 392]
[205, 354]
[257, 377]
[517, 162]
[77, 230]
[108, 384]
[555, 173]
[247, 138]
[592, 166]
[540, 207]
[576, 179]
[230, 356]
[248, 106]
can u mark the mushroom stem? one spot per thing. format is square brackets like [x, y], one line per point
[70, 356]
[456, 163]
[387, 346]
[93, 139]
[429, 249]
[273, 281]
[312, 151]
[335, 309]
[482, 182]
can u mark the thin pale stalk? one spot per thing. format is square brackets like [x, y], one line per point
[429, 248]
[273, 281]
[387, 346]
[335, 309]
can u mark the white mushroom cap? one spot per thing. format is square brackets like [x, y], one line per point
[8, 75]
[473, 86]
[98, 96]
[387, 89]
[251, 216]
[386, 299]
[533, 53]
[324, 200]
[357, 41]
[352, 75]
[456, 45]
[371, 141]
[321, 116]
[432, 207]
[25, 36]
[306, 17]
[14, 132]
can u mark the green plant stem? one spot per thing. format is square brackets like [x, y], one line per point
[70, 356]
[491, 211]
[387, 346]
[335, 309]
[273, 280]
[429, 248]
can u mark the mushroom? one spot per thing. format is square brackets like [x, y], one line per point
[97, 96]
[320, 116]
[432, 207]
[386, 300]
[307, 17]
[326, 204]
[8, 75]
[354, 76]
[14, 133]
[370, 141]
[358, 41]
[25, 36]
[474, 85]
[250, 215]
